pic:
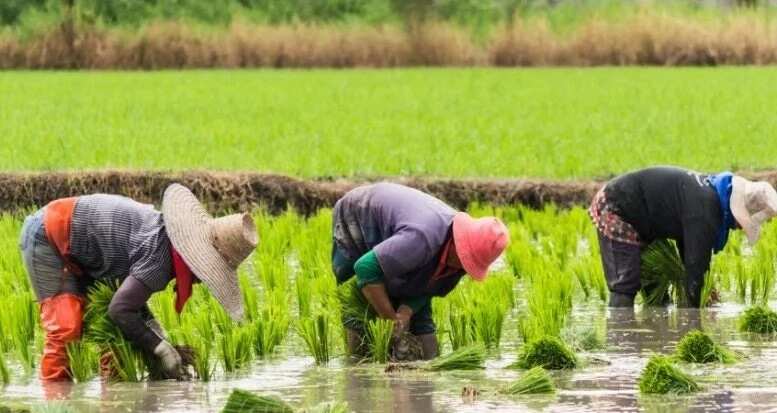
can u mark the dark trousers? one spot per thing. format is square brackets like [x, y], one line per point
[621, 263]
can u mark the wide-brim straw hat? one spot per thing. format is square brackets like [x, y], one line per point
[213, 248]
[752, 204]
[479, 242]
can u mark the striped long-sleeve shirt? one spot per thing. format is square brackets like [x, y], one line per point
[117, 238]
[112, 237]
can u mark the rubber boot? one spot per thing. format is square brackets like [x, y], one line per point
[429, 345]
[621, 300]
[61, 318]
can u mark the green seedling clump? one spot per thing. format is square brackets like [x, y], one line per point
[379, 333]
[548, 352]
[241, 401]
[466, 358]
[661, 376]
[535, 381]
[662, 270]
[317, 335]
[698, 347]
[759, 320]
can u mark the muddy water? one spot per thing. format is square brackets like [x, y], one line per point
[607, 381]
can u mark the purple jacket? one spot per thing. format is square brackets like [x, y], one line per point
[405, 227]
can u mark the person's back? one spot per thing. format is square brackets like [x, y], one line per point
[660, 201]
[113, 236]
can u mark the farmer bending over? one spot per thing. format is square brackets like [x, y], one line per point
[73, 241]
[697, 211]
[404, 247]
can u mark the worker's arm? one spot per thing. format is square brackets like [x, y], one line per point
[696, 250]
[369, 279]
[126, 310]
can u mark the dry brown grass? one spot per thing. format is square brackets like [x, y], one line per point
[643, 39]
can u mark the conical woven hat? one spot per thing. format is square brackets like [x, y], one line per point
[213, 248]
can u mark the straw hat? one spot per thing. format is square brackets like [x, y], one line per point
[213, 248]
[752, 204]
[479, 242]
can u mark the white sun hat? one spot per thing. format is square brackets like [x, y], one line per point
[213, 248]
[752, 204]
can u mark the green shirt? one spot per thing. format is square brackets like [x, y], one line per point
[368, 271]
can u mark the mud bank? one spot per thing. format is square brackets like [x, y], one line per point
[231, 191]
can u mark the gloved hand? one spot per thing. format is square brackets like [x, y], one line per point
[172, 364]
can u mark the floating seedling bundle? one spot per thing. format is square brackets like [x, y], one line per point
[661, 376]
[760, 320]
[662, 275]
[698, 347]
[471, 357]
[548, 352]
[241, 401]
[535, 381]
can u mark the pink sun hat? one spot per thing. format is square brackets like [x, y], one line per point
[479, 242]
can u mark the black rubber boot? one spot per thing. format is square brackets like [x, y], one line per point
[621, 300]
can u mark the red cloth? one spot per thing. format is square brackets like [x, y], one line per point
[56, 221]
[184, 278]
[443, 270]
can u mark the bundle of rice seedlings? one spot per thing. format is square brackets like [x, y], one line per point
[698, 347]
[759, 319]
[466, 358]
[662, 270]
[127, 362]
[241, 401]
[353, 305]
[379, 333]
[535, 381]
[548, 352]
[83, 359]
[660, 376]
[461, 330]
[316, 334]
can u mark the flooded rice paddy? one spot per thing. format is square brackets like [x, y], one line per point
[606, 382]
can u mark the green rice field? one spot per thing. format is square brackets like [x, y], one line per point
[549, 123]
[548, 288]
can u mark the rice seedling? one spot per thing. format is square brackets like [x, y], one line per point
[460, 330]
[548, 352]
[236, 347]
[535, 381]
[488, 319]
[83, 359]
[661, 376]
[5, 375]
[379, 333]
[759, 319]
[127, 362]
[353, 306]
[241, 401]
[698, 347]
[662, 275]
[590, 339]
[466, 358]
[317, 335]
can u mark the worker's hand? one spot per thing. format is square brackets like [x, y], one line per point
[172, 365]
[402, 320]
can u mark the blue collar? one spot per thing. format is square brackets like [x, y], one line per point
[722, 185]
